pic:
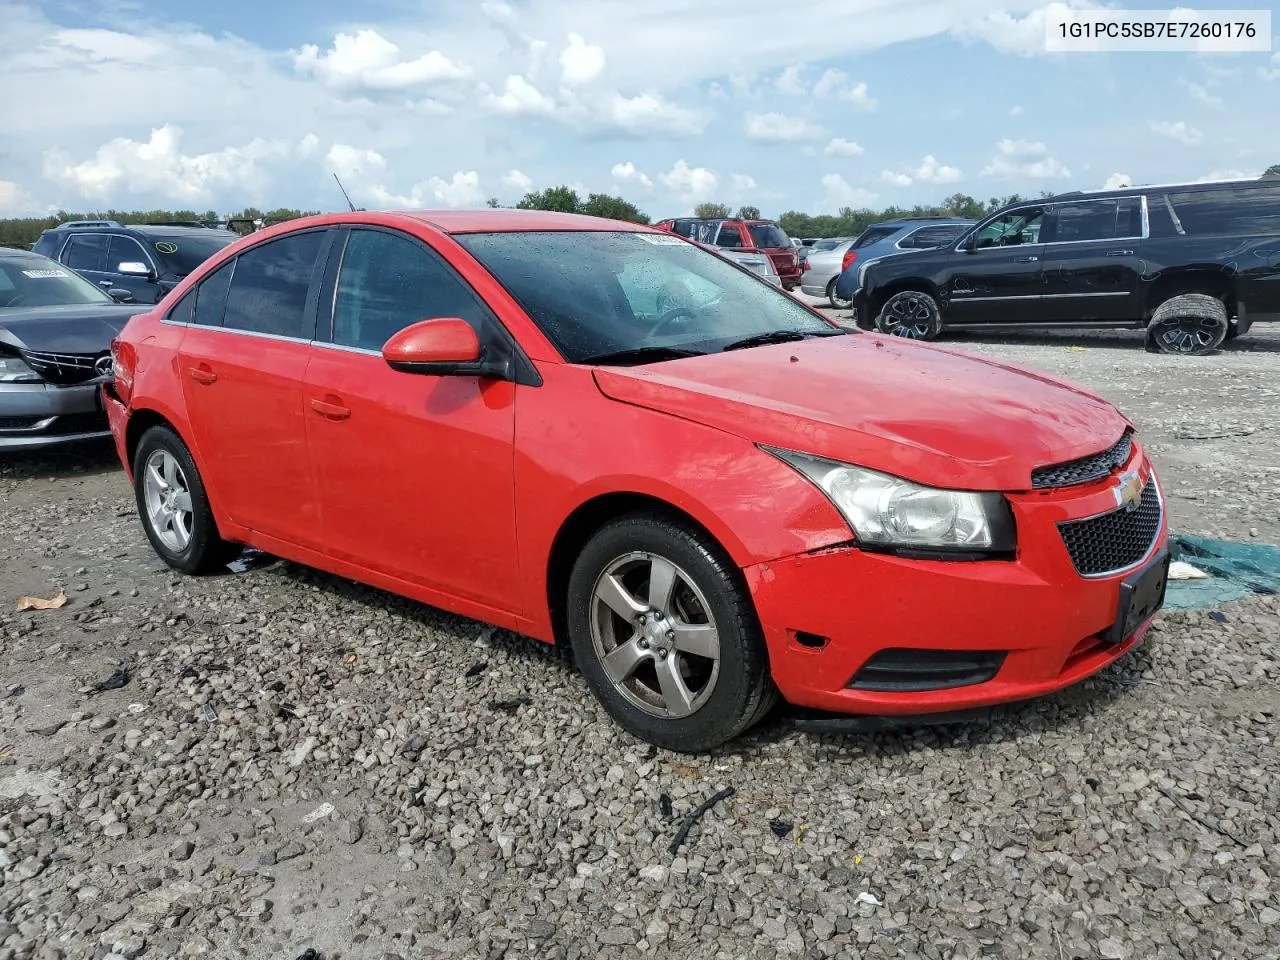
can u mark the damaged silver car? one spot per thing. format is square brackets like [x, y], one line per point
[56, 330]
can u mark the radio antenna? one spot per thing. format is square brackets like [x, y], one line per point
[344, 194]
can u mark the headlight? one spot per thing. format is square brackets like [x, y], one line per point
[15, 370]
[892, 513]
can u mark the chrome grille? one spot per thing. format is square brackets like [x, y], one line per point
[64, 368]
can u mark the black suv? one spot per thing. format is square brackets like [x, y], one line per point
[148, 259]
[1193, 264]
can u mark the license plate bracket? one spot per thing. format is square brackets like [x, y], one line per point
[1142, 593]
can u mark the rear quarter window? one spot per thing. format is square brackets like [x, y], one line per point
[874, 235]
[768, 235]
[1247, 211]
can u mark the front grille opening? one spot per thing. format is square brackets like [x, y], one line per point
[1086, 469]
[64, 368]
[913, 671]
[1115, 540]
[19, 423]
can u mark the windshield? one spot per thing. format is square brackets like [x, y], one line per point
[597, 293]
[180, 255]
[38, 282]
[768, 235]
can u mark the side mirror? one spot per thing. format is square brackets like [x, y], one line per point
[134, 268]
[445, 346]
[120, 294]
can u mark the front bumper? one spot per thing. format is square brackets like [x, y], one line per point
[827, 615]
[37, 415]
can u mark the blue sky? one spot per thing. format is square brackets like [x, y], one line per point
[434, 103]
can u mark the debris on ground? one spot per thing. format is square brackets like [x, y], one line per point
[1181, 570]
[696, 814]
[476, 669]
[867, 897]
[1232, 571]
[39, 603]
[665, 808]
[509, 706]
[118, 679]
[319, 813]
[781, 828]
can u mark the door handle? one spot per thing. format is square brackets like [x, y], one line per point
[202, 374]
[1120, 253]
[104, 283]
[330, 411]
[1026, 260]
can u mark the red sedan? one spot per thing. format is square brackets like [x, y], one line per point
[601, 434]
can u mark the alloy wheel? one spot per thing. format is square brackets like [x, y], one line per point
[909, 317]
[655, 637]
[1189, 334]
[167, 496]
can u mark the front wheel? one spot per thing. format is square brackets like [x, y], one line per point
[174, 507]
[1190, 324]
[666, 636]
[910, 314]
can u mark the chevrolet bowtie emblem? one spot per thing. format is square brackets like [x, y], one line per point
[1129, 491]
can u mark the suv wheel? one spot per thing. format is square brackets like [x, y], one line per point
[666, 636]
[174, 507]
[910, 314]
[837, 303]
[1190, 324]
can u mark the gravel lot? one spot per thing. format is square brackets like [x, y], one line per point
[296, 761]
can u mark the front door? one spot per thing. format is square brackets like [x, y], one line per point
[415, 472]
[1092, 262]
[242, 363]
[998, 279]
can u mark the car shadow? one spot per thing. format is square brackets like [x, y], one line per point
[85, 458]
[1129, 340]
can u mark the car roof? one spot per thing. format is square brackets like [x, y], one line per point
[490, 220]
[1145, 187]
[143, 228]
[924, 221]
[16, 253]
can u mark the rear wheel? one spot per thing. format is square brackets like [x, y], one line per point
[174, 507]
[1190, 324]
[910, 314]
[837, 303]
[666, 636]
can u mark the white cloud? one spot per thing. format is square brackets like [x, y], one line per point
[837, 193]
[368, 61]
[839, 147]
[780, 128]
[364, 174]
[159, 167]
[742, 182]
[1023, 36]
[690, 184]
[1024, 158]
[790, 82]
[929, 170]
[580, 62]
[461, 190]
[647, 114]
[15, 201]
[716, 91]
[1117, 180]
[626, 175]
[521, 98]
[1201, 94]
[1178, 130]
[1017, 111]
[517, 180]
[835, 83]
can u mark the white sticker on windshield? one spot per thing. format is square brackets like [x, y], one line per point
[44, 274]
[660, 239]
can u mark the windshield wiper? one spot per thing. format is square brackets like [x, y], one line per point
[643, 355]
[781, 336]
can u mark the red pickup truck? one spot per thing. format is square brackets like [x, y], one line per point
[762, 236]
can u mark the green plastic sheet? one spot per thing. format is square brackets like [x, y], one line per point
[1236, 570]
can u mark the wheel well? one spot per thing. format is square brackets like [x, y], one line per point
[882, 294]
[139, 423]
[1212, 282]
[579, 527]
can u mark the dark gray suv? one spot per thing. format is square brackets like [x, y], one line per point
[148, 260]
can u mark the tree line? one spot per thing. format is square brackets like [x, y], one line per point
[846, 222]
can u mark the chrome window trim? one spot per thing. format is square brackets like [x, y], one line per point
[1042, 296]
[1141, 197]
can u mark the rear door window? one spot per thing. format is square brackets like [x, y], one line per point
[270, 284]
[86, 251]
[211, 297]
[874, 235]
[926, 238]
[1087, 220]
[768, 235]
[729, 236]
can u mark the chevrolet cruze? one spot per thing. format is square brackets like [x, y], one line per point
[600, 434]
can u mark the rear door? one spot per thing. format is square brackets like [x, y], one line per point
[1092, 263]
[122, 250]
[242, 363]
[86, 254]
[998, 278]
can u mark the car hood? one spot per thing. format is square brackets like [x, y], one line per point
[81, 328]
[926, 413]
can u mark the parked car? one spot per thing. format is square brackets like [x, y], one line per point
[763, 236]
[759, 263]
[820, 246]
[593, 433]
[1193, 264]
[55, 336]
[148, 260]
[886, 239]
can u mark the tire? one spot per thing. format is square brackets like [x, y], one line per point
[675, 699]
[1232, 332]
[164, 479]
[910, 314]
[836, 302]
[1190, 324]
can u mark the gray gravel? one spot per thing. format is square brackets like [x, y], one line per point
[297, 761]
